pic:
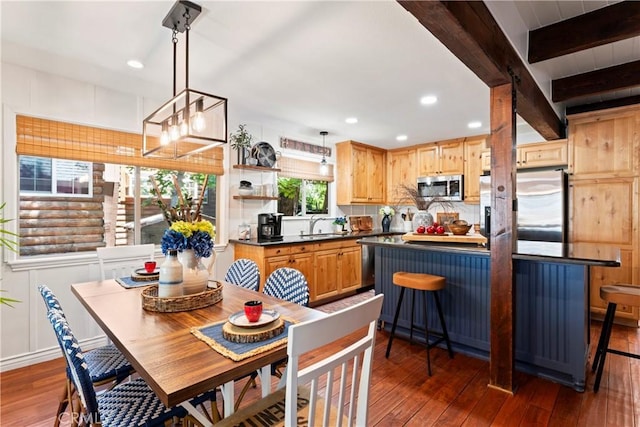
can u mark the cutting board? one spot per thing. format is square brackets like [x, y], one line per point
[444, 238]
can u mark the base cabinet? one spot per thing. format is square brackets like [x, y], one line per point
[332, 268]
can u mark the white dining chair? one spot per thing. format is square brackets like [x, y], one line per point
[310, 388]
[121, 261]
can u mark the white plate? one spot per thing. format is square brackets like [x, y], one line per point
[240, 320]
[143, 272]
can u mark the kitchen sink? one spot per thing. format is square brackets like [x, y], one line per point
[320, 235]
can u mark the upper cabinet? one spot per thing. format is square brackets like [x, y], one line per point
[401, 170]
[473, 150]
[605, 143]
[537, 155]
[441, 158]
[361, 174]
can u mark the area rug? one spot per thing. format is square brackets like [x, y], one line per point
[346, 302]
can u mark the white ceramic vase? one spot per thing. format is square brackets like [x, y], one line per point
[194, 274]
[170, 277]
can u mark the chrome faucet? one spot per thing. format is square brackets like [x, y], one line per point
[312, 222]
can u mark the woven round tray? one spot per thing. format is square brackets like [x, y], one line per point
[246, 335]
[152, 302]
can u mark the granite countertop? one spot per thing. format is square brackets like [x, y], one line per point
[573, 253]
[287, 240]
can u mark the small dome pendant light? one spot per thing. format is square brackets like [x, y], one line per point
[324, 166]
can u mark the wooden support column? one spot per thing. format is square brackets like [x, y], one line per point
[503, 190]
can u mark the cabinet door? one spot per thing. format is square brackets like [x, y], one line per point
[542, 155]
[350, 269]
[360, 180]
[326, 284]
[602, 210]
[271, 264]
[375, 176]
[304, 264]
[486, 161]
[428, 160]
[605, 144]
[473, 169]
[451, 159]
[401, 170]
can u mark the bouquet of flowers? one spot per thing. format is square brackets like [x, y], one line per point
[387, 210]
[187, 229]
[183, 235]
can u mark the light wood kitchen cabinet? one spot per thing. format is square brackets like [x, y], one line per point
[473, 150]
[338, 269]
[361, 174]
[331, 267]
[269, 258]
[604, 166]
[401, 170]
[441, 158]
[536, 155]
[605, 143]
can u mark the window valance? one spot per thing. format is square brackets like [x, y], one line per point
[303, 169]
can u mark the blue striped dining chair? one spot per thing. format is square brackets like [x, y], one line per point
[288, 284]
[105, 364]
[127, 404]
[244, 272]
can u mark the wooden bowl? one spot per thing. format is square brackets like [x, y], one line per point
[459, 227]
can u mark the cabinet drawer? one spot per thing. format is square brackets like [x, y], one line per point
[277, 250]
[301, 249]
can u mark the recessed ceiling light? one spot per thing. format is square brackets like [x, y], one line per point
[428, 100]
[401, 138]
[134, 63]
[474, 125]
[351, 120]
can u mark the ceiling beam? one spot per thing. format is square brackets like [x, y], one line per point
[594, 82]
[603, 26]
[470, 32]
[603, 105]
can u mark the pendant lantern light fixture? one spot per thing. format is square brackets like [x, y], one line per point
[192, 121]
[324, 166]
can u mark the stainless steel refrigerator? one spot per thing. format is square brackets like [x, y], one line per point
[542, 205]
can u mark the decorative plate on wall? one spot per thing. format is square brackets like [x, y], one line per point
[264, 152]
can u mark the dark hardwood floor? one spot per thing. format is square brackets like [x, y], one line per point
[402, 394]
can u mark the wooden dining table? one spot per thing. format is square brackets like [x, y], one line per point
[177, 365]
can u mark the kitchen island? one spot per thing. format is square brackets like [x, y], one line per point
[551, 292]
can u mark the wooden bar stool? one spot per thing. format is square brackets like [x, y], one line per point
[614, 295]
[421, 282]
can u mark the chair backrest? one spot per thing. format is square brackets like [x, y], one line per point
[356, 358]
[128, 259]
[288, 284]
[75, 364]
[50, 300]
[244, 272]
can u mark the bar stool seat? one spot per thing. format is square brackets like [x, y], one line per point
[426, 283]
[614, 295]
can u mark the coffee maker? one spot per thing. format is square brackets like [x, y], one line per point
[269, 227]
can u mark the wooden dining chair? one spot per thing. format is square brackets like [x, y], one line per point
[244, 272]
[310, 388]
[121, 261]
[106, 364]
[127, 404]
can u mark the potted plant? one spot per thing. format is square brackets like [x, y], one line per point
[241, 141]
[339, 223]
[6, 240]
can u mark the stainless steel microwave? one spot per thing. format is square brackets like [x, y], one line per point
[445, 187]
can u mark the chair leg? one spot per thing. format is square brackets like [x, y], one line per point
[413, 301]
[250, 382]
[444, 326]
[64, 400]
[600, 347]
[606, 329]
[395, 322]
[426, 333]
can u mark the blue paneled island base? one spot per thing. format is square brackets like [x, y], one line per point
[551, 309]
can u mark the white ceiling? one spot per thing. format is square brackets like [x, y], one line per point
[298, 67]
